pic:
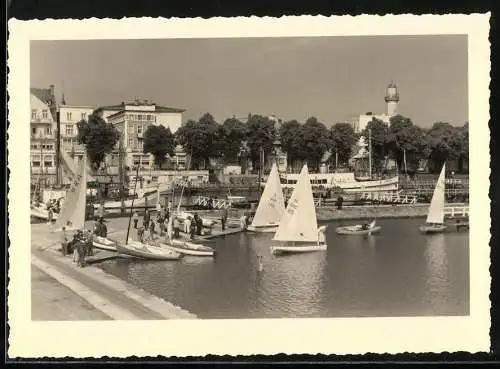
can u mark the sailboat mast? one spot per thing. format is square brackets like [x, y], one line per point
[370, 152]
[132, 205]
[261, 162]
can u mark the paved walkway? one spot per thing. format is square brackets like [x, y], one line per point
[50, 300]
[111, 296]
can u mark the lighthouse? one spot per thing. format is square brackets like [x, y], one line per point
[392, 100]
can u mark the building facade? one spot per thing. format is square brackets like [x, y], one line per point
[132, 121]
[42, 136]
[69, 116]
[359, 122]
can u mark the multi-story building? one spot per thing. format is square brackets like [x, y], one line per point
[42, 135]
[69, 116]
[132, 120]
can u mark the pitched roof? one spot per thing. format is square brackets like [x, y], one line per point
[44, 94]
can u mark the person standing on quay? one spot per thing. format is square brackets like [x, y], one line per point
[198, 223]
[145, 221]
[135, 219]
[161, 222]
[224, 219]
[64, 242]
[192, 228]
[176, 226]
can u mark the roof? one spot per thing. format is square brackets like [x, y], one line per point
[44, 94]
[158, 108]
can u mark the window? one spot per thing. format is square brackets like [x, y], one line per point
[69, 129]
[139, 117]
[33, 130]
[68, 116]
[36, 163]
[84, 116]
[33, 114]
[45, 114]
[139, 130]
[34, 146]
[130, 141]
[48, 130]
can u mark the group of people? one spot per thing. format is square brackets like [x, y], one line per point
[80, 245]
[192, 225]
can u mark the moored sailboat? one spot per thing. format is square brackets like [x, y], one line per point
[298, 230]
[435, 217]
[185, 247]
[271, 205]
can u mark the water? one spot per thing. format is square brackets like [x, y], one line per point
[398, 272]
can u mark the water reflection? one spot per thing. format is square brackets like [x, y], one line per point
[398, 272]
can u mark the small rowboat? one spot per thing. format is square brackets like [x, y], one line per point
[188, 248]
[144, 251]
[359, 229]
[104, 243]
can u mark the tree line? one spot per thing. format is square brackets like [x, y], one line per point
[234, 141]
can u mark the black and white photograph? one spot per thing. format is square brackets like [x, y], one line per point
[252, 178]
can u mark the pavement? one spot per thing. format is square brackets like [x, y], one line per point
[51, 300]
[108, 296]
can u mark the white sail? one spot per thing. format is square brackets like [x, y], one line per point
[436, 209]
[73, 209]
[272, 204]
[299, 223]
[169, 228]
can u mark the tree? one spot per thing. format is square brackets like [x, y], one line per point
[159, 141]
[379, 139]
[261, 135]
[463, 160]
[445, 143]
[315, 141]
[406, 138]
[98, 137]
[342, 139]
[290, 136]
[233, 133]
[199, 139]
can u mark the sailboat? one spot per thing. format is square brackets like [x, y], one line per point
[298, 230]
[271, 205]
[360, 229]
[72, 215]
[435, 216]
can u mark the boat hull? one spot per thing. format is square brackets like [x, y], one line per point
[189, 248]
[304, 248]
[141, 250]
[42, 214]
[352, 231]
[432, 229]
[103, 243]
[263, 229]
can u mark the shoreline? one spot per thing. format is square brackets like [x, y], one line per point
[105, 293]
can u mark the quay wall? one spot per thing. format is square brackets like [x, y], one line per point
[329, 213]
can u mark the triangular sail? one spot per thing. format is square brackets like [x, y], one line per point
[299, 223]
[73, 209]
[272, 204]
[436, 209]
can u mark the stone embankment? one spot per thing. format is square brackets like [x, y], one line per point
[113, 297]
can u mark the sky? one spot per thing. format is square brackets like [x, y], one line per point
[331, 78]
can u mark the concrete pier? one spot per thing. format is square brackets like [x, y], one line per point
[109, 296]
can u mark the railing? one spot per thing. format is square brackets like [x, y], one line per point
[456, 211]
[398, 197]
[216, 203]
